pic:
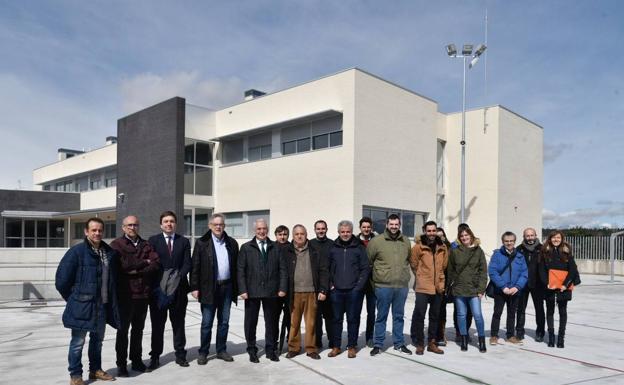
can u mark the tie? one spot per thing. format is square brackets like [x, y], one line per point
[169, 245]
[263, 250]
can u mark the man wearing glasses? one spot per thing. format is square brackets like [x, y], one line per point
[137, 274]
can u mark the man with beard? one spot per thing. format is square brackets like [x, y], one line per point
[531, 248]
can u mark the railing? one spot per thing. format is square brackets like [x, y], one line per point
[595, 247]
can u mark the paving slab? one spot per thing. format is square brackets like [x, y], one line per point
[34, 343]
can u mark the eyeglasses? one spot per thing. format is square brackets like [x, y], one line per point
[131, 225]
[218, 224]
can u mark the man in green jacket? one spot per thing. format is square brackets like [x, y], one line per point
[389, 256]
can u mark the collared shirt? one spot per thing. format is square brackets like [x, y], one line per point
[135, 242]
[223, 259]
[105, 271]
[167, 240]
[262, 244]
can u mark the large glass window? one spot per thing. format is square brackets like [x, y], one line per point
[241, 225]
[233, 151]
[440, 165]
[316, 135]
[67, 186]
[411, 221]
[34, 232]
[259, 147]
[197, 168]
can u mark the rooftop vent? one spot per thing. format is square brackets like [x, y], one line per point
[111, 140]
[66, 153]
[252, 94]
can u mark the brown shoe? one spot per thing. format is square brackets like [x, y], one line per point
[351, 353]
[314, 355]
[334, 352]
[291, 354]
[76, 381]
[514, 340]
[101, 375]
[420, 350]
[433, 348]
[493, 340]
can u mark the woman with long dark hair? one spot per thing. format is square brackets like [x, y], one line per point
[467, 277]
[557, 267]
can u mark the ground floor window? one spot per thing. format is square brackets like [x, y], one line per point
[241, 224]
[28, 232]
[411, 221]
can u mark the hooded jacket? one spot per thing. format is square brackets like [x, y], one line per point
[427, 267]
[389, 259]
[471, 280]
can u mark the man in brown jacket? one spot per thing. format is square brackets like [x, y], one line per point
[428, 261]
[137, 273]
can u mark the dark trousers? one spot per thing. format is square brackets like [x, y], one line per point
[177, 314]
[500, 300]
[132, 312]
[271, 310]
[563, 315]
[537, 294]
[324, 311]
[371, 305]
[349, 301]
[418, 317]
[285, 328]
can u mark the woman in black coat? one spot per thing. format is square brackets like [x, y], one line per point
[557, 267]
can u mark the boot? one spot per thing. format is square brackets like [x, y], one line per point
[560, 338]
[433, 348]
[482, 348]
[551, 339]
[464, 343]
[441, 333]
[539, 337]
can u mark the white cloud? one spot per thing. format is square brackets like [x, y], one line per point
[607, 215]
[146, 89]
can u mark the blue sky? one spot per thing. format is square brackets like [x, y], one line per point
[70, 69]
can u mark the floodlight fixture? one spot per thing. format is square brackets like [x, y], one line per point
[480, 49]
[467, 50]
[451, 50]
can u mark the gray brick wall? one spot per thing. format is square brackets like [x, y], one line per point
[150, 165]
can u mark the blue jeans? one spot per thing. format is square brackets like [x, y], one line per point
[95, 346]
[462, 304]
[396, 297]
[349, 301]
[221, 306]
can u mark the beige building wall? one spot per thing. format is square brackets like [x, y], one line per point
[298, 188]
[99, 158]
[395, 140]
[520, 174]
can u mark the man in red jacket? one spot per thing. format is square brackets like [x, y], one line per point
[137, 275]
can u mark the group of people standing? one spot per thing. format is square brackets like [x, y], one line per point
[317, 281]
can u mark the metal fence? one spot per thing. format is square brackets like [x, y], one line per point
[595, 248]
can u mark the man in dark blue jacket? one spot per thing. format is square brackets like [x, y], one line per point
[175, 258]
[348, 273]
[85, 278]
[508, 271]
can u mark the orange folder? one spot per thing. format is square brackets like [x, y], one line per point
[556, 279]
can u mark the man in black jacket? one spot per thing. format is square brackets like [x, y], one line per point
[214, 284]
[174, 252]
[324, 309]
[531, 248]
[262, 280]
[308, 280]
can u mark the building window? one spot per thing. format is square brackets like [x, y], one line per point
[241, 225]
[110, 230]
[259, 147]
[46, 187]
[197, 168]
[111, 181]
[316, 135]
[440, 210]
[411, 221]
[34, 233]
[233, 151]
[67, 186]
[440, 165]
[95, 184]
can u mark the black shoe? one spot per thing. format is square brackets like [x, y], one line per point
[560, 339]
[122, 371]
[539, 337]
[202, 359]
[403, 349]
[273, 357]
[464, 343]
[182, 362]
[551, 339]
[375, 351]
[139, 366]
[154, 363]
[225, 356]
[482, 348]
[253, 357]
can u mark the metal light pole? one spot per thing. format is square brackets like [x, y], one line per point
[466, 53]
